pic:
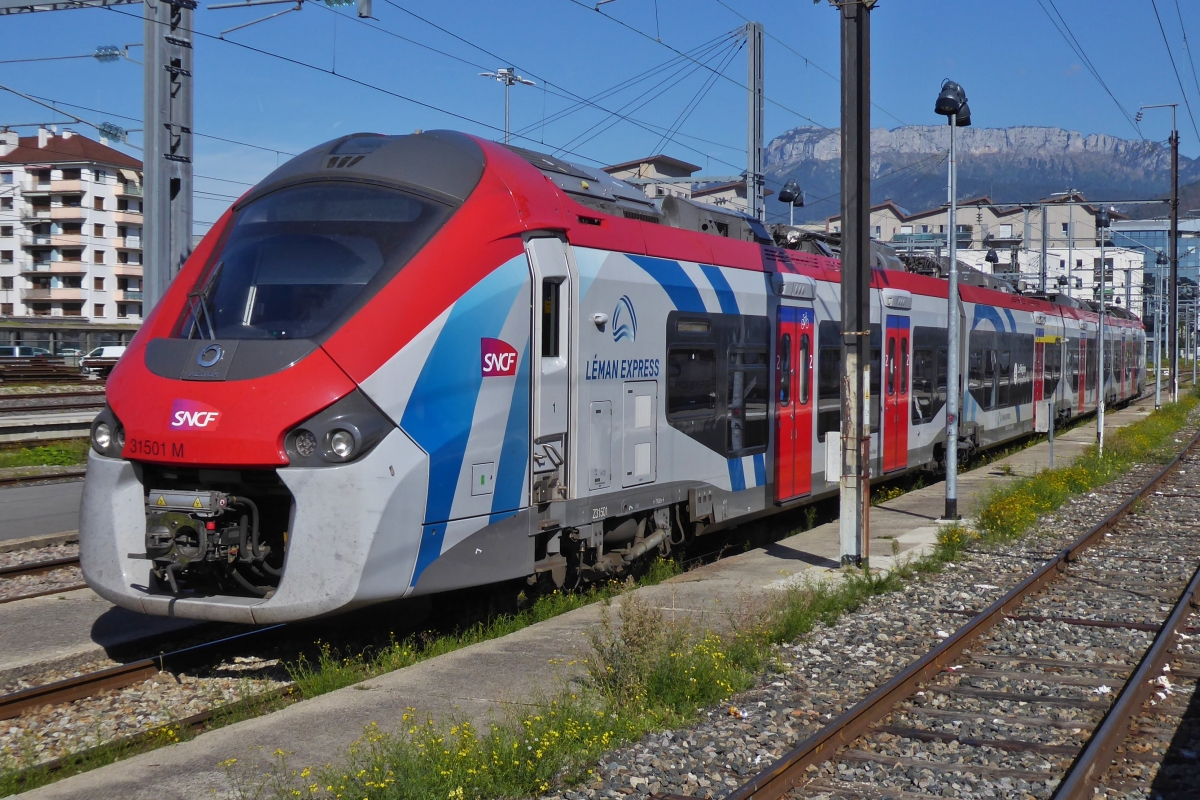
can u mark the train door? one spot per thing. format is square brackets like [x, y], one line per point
[1081, 386]
[794, 356]
[551, 367]
[896, 370]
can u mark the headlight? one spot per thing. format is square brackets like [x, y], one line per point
[345, 431]
[108, 434]
[341, 443]
[306, 443]
[101, 437]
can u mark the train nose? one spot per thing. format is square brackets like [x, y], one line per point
[354, 531]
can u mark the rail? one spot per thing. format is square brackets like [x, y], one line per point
[791, 770]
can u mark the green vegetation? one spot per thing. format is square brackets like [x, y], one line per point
[60, 454]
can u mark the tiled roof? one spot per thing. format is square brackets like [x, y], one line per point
[73, 150]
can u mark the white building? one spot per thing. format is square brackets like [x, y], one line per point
[1071, 271]
[70, 239]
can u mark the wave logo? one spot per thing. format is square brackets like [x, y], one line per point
[497, 358]
[192, 415]
[624, 320]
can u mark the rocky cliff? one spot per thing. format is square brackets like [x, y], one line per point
[1019, 164]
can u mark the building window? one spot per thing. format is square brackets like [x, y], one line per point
[6, 256]
[72, 255]
[97, 256]
[6, 309]
[122, 204]
[6, 283]
[101, 176]
[122, 257]
[98, 284]
[72, 228]
[6, 230]
[924, 229]
[121, 310]
[6, 202]
[98, 231]
[98, 310]
[72, 201]
[72, 174]
[98, 203]
[72, 309]
[6, 178]
[1066, 229]
[72, 281]
[39, 309]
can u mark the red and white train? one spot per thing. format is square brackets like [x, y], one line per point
[407, 364]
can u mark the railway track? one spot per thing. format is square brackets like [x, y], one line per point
[988, 708]
[26, 480]
[35, 568]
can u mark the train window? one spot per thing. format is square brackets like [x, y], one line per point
[876, 378]
[891, 367]
[922, 385]
[805, 349]
[691, 382]
[1003, 378]
[904, 366]
[550, 306]
[829, 379]
[748, 396]
[298, 261]
[1090, 367]
[785, 370]
[975, 376]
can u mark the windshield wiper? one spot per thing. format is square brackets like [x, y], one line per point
[199, 300]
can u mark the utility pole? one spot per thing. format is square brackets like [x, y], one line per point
[952, 103]
[754, 120]
[1042, 281]
[1102, 222]
[856, 279]
[167, 171]
[1173, 289]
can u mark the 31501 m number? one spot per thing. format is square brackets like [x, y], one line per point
[154, 449]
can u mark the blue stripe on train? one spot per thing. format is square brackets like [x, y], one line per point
[439, 411]
[737, 475]
[721, 286]
[514, 454]
[674, 281]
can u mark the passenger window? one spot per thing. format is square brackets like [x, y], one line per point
[550, 290]
[891, 367]
[805, 349]
[904, 366]
[747, 399]
[691, 383]
[785, 370]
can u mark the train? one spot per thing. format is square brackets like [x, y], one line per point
[405, 365]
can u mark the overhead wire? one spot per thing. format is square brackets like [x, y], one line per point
[1069, 37]
[1187, 48]
[1186, 103]
[697, 98]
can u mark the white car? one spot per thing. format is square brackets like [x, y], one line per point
[101, 360]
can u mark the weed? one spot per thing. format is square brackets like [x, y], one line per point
[810, 518]
[62, 454]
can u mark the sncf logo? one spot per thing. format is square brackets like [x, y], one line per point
[497, 358]
[191, 415]
[624, 320]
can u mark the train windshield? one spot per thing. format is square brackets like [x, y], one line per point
[298, 261]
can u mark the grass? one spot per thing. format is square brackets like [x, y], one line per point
[62, 454]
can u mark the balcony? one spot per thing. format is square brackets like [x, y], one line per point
[35, 239]
[34, 213]
[129, 190]
[128, 243]
[32, 185]
[68, 213]
[127, 296]
[127, 270]
[34, 295]
[128, 217]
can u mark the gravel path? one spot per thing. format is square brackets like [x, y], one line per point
[835, 667]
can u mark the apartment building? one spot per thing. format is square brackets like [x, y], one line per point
[70, 241]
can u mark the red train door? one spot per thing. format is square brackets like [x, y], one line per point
[895, 394]
[1039, 372]
[793, 403]
[1082, 387]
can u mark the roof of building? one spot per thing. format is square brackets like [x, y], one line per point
[665, 160]
[73, 149]
[725, 187]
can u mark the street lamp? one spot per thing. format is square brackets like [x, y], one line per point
[791, 194]
[508, 76]
[952, 104]
[1103, 220]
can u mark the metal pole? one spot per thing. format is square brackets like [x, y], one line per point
[952, 344]
[1100, 381]
[1070, 245]
[1042, 281]
[167, 171]
[754, 120]
[507, 86]
[856, 278]
[1173, 289]
[1158, 326]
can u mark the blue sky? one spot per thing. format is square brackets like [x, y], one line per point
[1016, 67]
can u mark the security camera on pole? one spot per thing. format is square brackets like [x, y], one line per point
[952, 104]
[1102, 222]
[791, 194]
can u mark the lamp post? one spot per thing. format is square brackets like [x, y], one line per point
[791, 194]
[508, 76]
[1102, 223]
[952, 104]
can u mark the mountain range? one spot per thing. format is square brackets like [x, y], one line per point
[1011, 165]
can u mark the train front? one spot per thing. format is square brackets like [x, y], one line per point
[250, 465]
